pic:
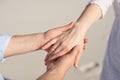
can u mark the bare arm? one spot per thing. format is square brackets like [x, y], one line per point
[76, 35]
[90, 15]
[56, 69]
[52, 75]
[20, 44]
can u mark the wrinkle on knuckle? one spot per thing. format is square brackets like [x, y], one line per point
[65, 47]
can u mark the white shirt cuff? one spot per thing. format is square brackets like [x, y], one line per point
[103, 4]
[4, 40]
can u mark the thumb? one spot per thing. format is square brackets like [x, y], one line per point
[74, 52]
[66, 27]
[78, 56]
[69, 26]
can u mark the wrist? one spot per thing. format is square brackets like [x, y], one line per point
[81, 27]
[56, 72]
[40, 40]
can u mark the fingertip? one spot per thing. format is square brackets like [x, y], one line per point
[76, 65]
[72, 23]
[86, 40]
[45, 59]
[51, 58]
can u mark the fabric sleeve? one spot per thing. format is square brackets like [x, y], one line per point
[4, 40]
[103, 4]
[1, 77]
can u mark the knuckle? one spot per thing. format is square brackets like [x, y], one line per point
[65, 47]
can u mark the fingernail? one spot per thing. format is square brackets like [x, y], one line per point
[76, 66]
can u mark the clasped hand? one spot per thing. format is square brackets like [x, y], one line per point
[65, 42]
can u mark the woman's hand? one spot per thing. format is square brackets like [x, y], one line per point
[65, 43]
[63, 63]
[53, 33]
[56, 69]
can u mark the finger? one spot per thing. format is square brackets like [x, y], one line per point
[78, 58]
[74, 51]
[49, 43]
[53, 56]
[48, 49]
[52, 49]
[58, 30]
[49, 62]
[46, 57]
[49, 65]
[66, 27]
[57, 49]
[59, 52]
[84, 47]
[69, 26]
[51, 53]
[85, 40]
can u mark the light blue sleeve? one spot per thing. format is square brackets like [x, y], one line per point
[1, 77]
[4, 40]
[103, 4]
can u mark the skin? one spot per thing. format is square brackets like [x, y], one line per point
[20, 44]
[69, 43]
[57, 69]
[75, 36]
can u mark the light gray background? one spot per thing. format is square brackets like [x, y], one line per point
[31, 16]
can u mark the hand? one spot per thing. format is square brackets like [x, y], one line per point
[65, 43]
[56, 69]
[49, 50]
[63, 63]
[53, 33]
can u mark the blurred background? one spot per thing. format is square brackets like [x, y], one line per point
[32, 16]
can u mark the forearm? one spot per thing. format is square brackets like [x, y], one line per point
[90, 15]
[51, 75]
[20, 44]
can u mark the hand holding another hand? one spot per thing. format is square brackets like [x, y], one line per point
[57, 68]
[65, 42]
[63, 63]
[53, 33]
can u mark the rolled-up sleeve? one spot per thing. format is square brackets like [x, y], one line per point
[4, 40]
[103, 4]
